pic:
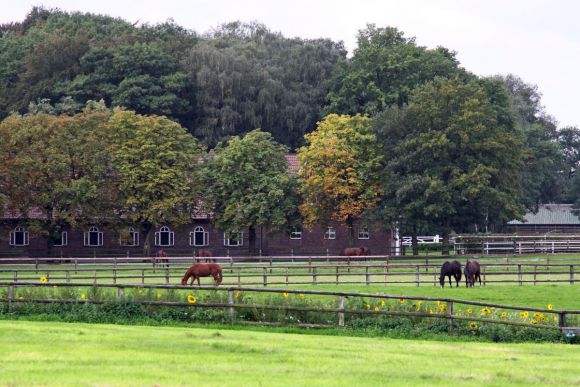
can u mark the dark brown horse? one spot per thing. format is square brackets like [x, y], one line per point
[472, 272]
[160, 259]
[207, 254]
[355, 251]
[203, 270]
[449, 269]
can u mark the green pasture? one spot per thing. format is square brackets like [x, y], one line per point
[60, 354]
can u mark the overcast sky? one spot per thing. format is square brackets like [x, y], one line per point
[538, 40]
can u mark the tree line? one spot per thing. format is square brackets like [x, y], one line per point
[397, 134]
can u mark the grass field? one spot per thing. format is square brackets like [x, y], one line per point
[33, 353]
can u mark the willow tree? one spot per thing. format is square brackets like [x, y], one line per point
[338, 179]
[248, 185]
[155, 164]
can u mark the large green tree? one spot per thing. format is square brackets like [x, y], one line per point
[248, 185]
[385, 67]
[155, 171]
[57, 166]
[339, 171]
[453, 157]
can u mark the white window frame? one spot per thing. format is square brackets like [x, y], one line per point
[229, 241]
[87, 237]
[133, 239]
[205, 237]
[330, 233]
[63, 239]
[296, 233]
[364, 233]
[18, 230]
[170, 237]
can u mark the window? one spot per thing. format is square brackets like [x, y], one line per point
[234, 239]
[62, 240]
[296, 233]
[330, 233]
[363, 233]
[93, 237]
[19, 237]
[164, 237]
[199, 237]
[129, 238]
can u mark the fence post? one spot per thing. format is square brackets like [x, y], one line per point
[367, 276]
[535, 274]
[120, 293]
[68, 276]
[95, 276]
[341, 311]
[450, 314]
[386, 270]
[561, 320]
[114, 276]
[167, 275]
[483, 273]
[571, 274]
[417, 280]
[314, 275]
[231, 302]
[76, 266]
[143, 276]
[309, 264]
[265, 277]
[337, 276]
[520, 274]
[10, 293]
[287, 276]
[15, 275]
[270, 264]
[239, 275]
[36, 264]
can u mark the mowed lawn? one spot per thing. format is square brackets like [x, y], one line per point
[34, 353]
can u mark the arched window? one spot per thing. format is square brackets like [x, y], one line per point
[199, 237]
[164, 237]
[93, 237]
[19, 237]
[129, 237]
[234, 239]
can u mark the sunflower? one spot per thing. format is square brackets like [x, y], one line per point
[550, 307]
[43, 280]
[191, 299]
[83, 296]
[524, 314]
[470, 311]
[382, 303]
[368, 306]
[285, 294]
[401, 301]
[301, 296]
[503, 314]
[472, 326]
[377, 309]
[485, 311]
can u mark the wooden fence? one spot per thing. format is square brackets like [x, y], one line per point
[306, 273]
[449, 313]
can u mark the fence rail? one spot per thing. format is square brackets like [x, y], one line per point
[449, 313]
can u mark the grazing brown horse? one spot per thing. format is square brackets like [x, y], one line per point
[160, 258]
[472, 272]
[355, 251]
[203, 270]
[207, 254]
[450, 269]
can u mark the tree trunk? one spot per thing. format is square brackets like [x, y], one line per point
[445, 249]
[350, 227]
[414, 241]
[147, 229]
[252, 240]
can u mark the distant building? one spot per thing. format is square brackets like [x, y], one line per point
[550, 219]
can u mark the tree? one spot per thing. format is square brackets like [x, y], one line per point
[156, 164]
[338, 175]
[248, 185]
[452, 158]
[58, 166]
[569, 141]
[384, 69]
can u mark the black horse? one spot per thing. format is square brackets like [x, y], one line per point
[472, 272]
[450, 269]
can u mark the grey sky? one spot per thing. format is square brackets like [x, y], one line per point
[538, 40]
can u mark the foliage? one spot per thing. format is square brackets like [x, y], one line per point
[156, 165]
[247, 185]
[57, 165]
[452, 158]
[338, 175]
[384, 69]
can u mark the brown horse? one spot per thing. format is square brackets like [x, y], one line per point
[203, 270]
[207, 254]
[160, 258]
[450, 269]
[472, 272]
[355, 251]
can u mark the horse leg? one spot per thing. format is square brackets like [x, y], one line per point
[450, 285]
[198, 283]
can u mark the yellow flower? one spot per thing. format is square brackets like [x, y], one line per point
[472, 326]
[493, 308]
[438, 302]
[538, 316]
[21, 298]
[503, 314]
[237, 294]
[555, 318]
[191, 299]
[382, 303]
[550, 307]
[485, 310]
[470, 311]
[83, 296]
[534, 321]
[376, 309]
[158, 296]
[401, 300]
[431, 311]
[285, 294]
[301, 296]
[443, 307]
[368, 306]
[43, 279]
[524, 314]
